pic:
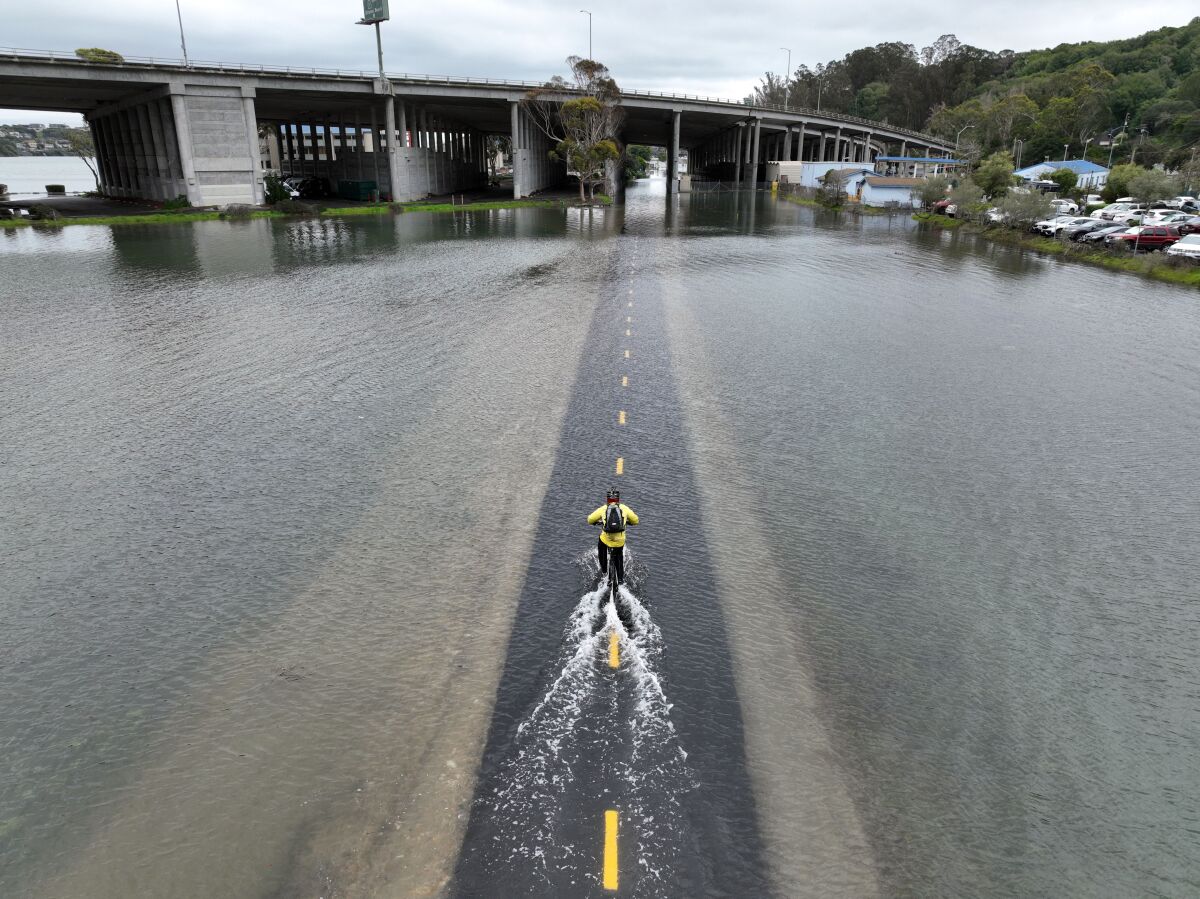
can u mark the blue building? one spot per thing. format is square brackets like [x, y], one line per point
[1090, 174]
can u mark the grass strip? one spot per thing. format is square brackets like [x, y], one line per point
[150, 218]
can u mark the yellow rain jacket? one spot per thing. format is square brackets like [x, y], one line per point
[613, 540]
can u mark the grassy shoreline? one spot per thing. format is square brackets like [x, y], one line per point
[1148, 265]
[857, 208]
[209, 215]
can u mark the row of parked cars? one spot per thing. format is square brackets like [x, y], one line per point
[1173, 226]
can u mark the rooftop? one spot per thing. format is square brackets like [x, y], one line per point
[937, 159]
[1078, 166]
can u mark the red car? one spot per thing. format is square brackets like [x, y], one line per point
[1151, 237]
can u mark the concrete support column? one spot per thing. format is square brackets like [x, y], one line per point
[787, 146]
[517, 147]
[755, 154]
[737, 153]
[393, 160]
[375, 149]
[838, 156]
[252, 141]
[673, 155]
[904, 148]
[183, 132]
[403, 126]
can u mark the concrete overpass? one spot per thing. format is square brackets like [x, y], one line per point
[163, 129]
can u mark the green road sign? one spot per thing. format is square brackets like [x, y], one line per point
[375, 11]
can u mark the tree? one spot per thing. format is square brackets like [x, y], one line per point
[995, 174]
[637, 161]
[582, 117]
[497, 145]
[1153, 185]
[1065, 179]
[1118, 181]
[1021, 208]
[932, 189]
[969, 198]
[82, 146]
[832, 192]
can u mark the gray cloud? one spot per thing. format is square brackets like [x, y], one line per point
[699, 47]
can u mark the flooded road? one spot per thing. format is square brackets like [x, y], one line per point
[298, 591]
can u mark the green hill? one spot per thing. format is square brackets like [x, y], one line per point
[1074, 94]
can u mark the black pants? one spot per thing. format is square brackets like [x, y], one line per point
[618, 553]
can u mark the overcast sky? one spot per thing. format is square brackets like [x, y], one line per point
[699, 47]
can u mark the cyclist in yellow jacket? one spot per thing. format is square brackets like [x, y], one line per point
[613, 517]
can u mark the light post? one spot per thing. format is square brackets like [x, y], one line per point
[589, 15]
[1018, 152]
[819, 82]
[957, 136]
[1065, 148]
[182, 42]
[787, 75]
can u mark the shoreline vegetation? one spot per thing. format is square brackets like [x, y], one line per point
[209, 215]
[1150, 265]
[855, 208]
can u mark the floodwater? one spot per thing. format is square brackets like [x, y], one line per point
[298, 598]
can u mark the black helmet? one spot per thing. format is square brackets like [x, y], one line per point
[613, 496]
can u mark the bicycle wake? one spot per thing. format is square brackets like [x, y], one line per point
[598, 737]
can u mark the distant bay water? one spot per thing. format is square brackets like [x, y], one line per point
[26, 175]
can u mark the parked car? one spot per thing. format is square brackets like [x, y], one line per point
[1165, 217]
[1146, 239]
[1050, 226]
[1065, 207]
[1191, 226]
[1122, 212]
[1103, 233]
[1181, 200]
[314, 188]
[1087, 226]
[1187, 246]
[1056, 229]
[1093, 199]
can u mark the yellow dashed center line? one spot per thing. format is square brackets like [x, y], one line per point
[620, 465]
[614, 650]
[610, 849]
[621, 417]
[624, 380]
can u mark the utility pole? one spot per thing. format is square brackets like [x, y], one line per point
[957, 136]
[1065, 148]
[182, 42]
[589, 15]
[787, 76]
[1112, 143]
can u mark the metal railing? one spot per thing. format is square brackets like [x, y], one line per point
[19, 54]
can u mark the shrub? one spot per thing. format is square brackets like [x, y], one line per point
[273, 190]
[56, 188]
[180, 202]
[237, 211]
[98, 54]
[295, 207]
[43, 213]
[831, 193]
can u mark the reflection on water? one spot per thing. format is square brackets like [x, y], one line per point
[255, 606]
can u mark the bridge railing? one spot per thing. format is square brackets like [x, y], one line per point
[20, 54]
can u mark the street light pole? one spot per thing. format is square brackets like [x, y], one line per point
[787, 75]
[589, 15]
[182, 42]
[957, 136]
[1065, 148]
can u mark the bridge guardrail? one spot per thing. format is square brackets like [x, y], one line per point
[18, 54]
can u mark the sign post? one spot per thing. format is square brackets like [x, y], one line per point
[374, 12]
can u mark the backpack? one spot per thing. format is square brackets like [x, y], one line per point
[614, 521]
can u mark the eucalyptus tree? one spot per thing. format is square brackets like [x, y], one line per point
[582, 116]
